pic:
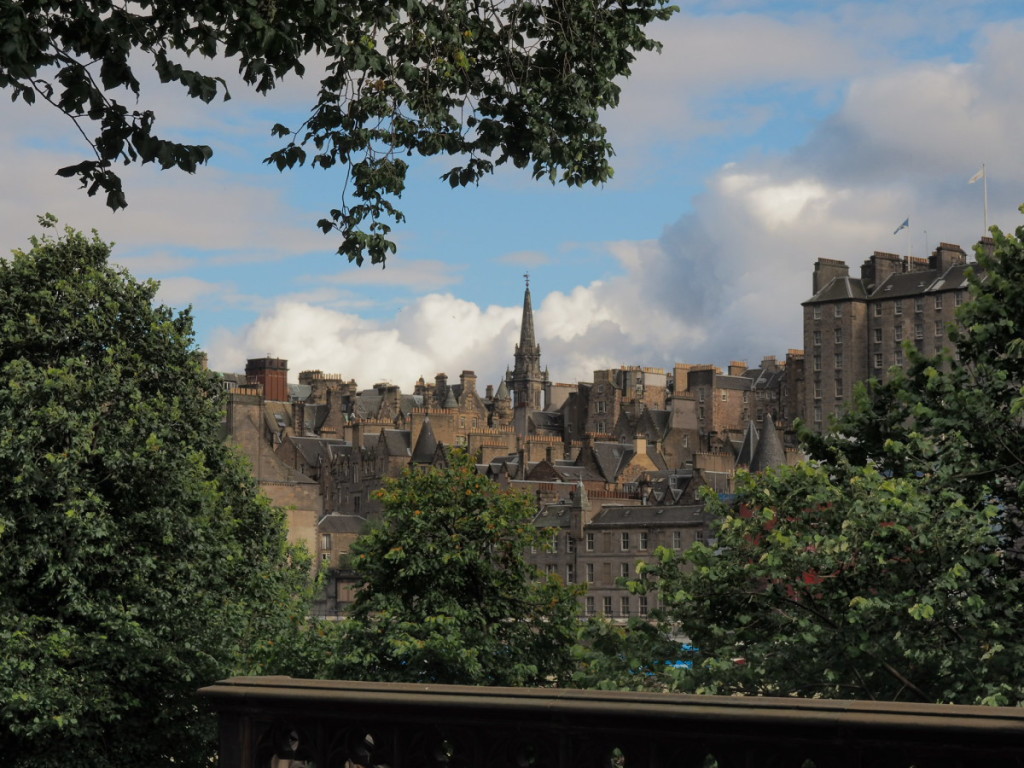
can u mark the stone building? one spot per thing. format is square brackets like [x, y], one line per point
[858, 328]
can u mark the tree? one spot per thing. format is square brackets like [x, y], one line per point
[890, 565]
[487, 82]
[137, 558]
[446, 594]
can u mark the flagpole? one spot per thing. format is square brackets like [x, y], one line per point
[984, 180]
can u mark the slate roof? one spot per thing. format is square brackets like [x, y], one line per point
[748, 447]
[426, 444]
[623, 516]
[926, 281]
[897, 285]
[397, 442]
[316, 449]
[341, 524]
[769, 452]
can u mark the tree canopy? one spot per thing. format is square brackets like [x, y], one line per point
[889, 566]
[486, 82]
[137, 559]
[446, 593]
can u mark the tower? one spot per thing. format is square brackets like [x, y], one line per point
[527, 382]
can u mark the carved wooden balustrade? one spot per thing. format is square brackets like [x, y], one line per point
[269, 721]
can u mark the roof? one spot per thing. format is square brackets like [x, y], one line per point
[426, 444]
[769, 452]
[315, 449]
[840, 289]
[341, 524]
[633, 516]
[396, 442]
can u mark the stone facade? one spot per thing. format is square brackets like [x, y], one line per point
[859, 328]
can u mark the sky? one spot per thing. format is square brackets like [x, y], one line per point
[764, 136]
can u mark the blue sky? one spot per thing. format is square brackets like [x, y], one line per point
[764, 136]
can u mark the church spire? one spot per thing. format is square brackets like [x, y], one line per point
[527, 337]
[527, 382]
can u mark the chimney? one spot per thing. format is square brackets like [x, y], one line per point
[468, 381]
[737, 367]
[947, 255]
[271, 374]
[640, 445]
[299, 418]
[826, 270]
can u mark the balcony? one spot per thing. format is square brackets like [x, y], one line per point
[269, 721]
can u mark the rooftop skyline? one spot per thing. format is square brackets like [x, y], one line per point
[766, 135]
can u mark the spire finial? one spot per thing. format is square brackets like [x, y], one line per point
[527, 276]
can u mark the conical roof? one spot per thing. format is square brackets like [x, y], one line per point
[426, 444]
[748, 446]
[770, 452]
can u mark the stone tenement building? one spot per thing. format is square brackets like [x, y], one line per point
[856, 328]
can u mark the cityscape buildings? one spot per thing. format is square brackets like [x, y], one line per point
[616, 464]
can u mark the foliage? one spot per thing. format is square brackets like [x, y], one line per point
[447, 595]
[889, 566]
[137, 559]
[487, 82]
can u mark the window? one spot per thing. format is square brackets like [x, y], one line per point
[878, 310]
[938, 301]
[817, 390]
[919, 304]
[878, 335]
[641, 605]
[817, 362]
[624, 542]
[553, 545]
[699, 536]
[839, 310]
[700, 395]
[817, 414]
[918, 330]
[816, 312]
[898, 332]
[897, 357]
[590, 542]
[570, 543]
[624, 606]
[958, 298]
[746, 397]
[878, 359]
[817, 338]
[590, 573]
[939, 328]
[839, 335]
[677, 539]
[325, 542]
[839, 387]
[590, 606]
[643, 540]
[550, 569]
[725, 397]
[602, 407]
[570, 573]
[623, 570]
[898, 307]
[607, 605]
[700, 412]
[839, 359]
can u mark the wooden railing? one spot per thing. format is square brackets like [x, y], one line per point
[269, 721]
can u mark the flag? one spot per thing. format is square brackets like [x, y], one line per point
[979, 175]
[904, 225]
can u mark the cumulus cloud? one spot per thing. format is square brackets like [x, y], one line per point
[435, 333]
[725, 280]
